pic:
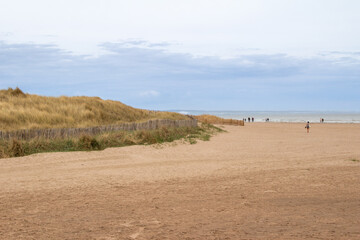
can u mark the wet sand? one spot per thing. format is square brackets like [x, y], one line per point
[261, 181]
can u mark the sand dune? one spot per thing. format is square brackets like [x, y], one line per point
[261, 181]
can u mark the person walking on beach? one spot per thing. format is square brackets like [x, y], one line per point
[248, 119]
[307, 126]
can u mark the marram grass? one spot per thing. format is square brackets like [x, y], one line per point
[211, 119]
[16, 148]
[26, 111]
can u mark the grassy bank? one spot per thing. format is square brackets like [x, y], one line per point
[15, 148]
[26, 111]
[211, 119]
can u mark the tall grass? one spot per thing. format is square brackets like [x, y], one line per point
[25, 111]
[211, 119]
[16, 148]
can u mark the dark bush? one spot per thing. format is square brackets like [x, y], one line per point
[88, 143]
[2, 153]
[16, 149]
[16, 92]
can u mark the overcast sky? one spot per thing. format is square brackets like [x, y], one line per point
[210, 55]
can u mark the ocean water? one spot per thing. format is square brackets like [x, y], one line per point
[283, 116]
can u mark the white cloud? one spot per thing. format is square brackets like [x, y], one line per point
[218, 27]
[149, 93]
[156, 79]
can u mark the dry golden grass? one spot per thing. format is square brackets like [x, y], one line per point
[217, 120]
[26, 111]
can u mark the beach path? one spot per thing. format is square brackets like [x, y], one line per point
[260, 181]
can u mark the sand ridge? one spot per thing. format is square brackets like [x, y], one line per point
[261, 181]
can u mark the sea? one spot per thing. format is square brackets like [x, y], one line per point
[283, 116]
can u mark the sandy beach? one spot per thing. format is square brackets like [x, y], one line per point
[261, 181]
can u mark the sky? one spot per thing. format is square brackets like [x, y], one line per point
[190, 55]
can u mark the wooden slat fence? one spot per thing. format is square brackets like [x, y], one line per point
[52, 133]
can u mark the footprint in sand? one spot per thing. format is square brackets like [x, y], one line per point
[135, 235]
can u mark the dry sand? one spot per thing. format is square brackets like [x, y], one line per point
[261, 181]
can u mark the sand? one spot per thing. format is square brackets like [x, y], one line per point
[261, 181]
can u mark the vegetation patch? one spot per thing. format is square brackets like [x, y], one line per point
[19, 110]
[354, 160]
[16, 148]
[211, 119]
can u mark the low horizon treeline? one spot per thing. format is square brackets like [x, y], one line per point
[19, 110]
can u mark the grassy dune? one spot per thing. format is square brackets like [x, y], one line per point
[211, 119]
[26, 111]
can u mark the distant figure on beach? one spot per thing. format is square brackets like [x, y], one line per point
[322, 120]
[267, 119]
[248, 119]
[252, 119]
[307, 126]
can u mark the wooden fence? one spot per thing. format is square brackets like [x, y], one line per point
[52, 133]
